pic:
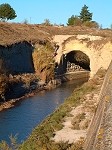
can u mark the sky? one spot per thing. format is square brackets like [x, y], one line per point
[58, 11]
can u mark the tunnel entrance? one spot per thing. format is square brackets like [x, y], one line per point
[78, 58]
[73, 61]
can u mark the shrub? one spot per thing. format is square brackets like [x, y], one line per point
[74, 20]
[91, 24]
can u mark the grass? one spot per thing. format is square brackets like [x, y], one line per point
[76, 121]
[41, 137]
[13, 144]
[42, 134]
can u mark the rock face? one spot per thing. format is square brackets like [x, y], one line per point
[17, 58]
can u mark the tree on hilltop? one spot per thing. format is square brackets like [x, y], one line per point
[85, 15]
[74, 20]
[84, 19]
[7, 12]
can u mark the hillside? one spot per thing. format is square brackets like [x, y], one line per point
[11, 33]
[15, 33]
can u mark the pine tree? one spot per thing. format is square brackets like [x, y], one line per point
[85, 15]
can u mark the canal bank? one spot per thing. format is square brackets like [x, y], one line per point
[40, 86]
[84, 99]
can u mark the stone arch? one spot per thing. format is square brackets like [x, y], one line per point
[95, 54]
[98, 51]
[68, 47]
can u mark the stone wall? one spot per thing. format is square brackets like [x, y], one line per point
[99, 136]
[17, 58]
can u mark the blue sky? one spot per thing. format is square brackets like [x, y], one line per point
[58, 11]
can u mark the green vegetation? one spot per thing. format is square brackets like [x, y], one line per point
[13, 144]
[76, 121]
[85, 15]
[7, 12]
[91, 24]
[84, 19]
[74, 20]
[40, 138]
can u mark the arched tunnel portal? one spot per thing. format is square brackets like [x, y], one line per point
[72, 61]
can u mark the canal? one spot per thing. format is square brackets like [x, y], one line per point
[28, 113]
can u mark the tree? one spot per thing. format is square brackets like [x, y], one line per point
[85, 19]
[85, 15]
[47, 22]
[74, 20]
[7, 12]
[71, 20]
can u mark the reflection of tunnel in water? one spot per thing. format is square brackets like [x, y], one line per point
[73, 59]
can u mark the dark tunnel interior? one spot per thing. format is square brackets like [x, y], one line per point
[73, 61]
[79, 58]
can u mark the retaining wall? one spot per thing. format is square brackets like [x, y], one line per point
[99, 135]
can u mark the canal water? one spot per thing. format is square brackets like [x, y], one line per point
[28, 113]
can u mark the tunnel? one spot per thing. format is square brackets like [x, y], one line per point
[75, 60]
